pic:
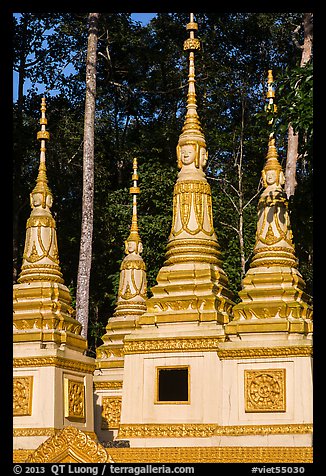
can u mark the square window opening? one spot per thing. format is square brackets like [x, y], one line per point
[172, 385]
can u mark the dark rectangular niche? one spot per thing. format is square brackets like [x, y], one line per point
[173, 385]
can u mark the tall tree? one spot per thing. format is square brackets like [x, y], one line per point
[85, 254]
[293, 136]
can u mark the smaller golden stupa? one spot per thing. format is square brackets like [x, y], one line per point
[272, 295]
[131, 299]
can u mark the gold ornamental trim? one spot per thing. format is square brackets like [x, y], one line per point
[43, 135]
[34, 432]
[67, 364]
[171, 344]
[207, 430]
[110, 385]
[262, 352]
[192, 186]
[113, 364]
[191, 44]
[133, 264]
[46, 221]
[211, 454]
[47, 431]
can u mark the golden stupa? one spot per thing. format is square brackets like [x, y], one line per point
[192, 285]
[185, 376]
[272, 294]
[132, 292]
[42, 303]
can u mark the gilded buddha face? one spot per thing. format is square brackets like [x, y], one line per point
[36, 199]
[273, 176]
[270, 177]
[188, 154]
[133, 247]
[203, 157]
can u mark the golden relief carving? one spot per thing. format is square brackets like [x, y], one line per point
[22, 432]
[265, 390]
[192, 195]
[50, 251]
[70, 445]
[41, 220]
[198, 430]
[60, 362]
[133, 264]
[262, 352]
[22, 396]
[181, 305]
[33, 256]
[208, 344]
[221, 454]
[74, 400]
[125, 291]
[274, 262]
[226, 454]
[107, 352]
[111, 411]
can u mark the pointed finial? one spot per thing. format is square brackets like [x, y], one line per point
[271, 106]
[41, 191]
[272, 162]
[192, 131]
[134, 191]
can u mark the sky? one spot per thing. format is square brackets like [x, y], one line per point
[144, 18]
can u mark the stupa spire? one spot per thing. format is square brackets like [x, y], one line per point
[132, 284]
[134, 191]
[272, 289]
[272, 155]
[131, 298]
[192, 133]
[193, 258]
[41, 258]
[42, 182]
[42, 303]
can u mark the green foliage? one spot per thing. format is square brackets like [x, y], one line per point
[296, 103]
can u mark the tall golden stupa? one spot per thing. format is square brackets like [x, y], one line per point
[192, 285]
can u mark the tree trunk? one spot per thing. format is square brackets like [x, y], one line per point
[18, 150]
[293, 139]
[240, 192]
[291, 162]
[85, 255]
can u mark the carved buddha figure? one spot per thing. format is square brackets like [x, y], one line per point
[132, 284]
